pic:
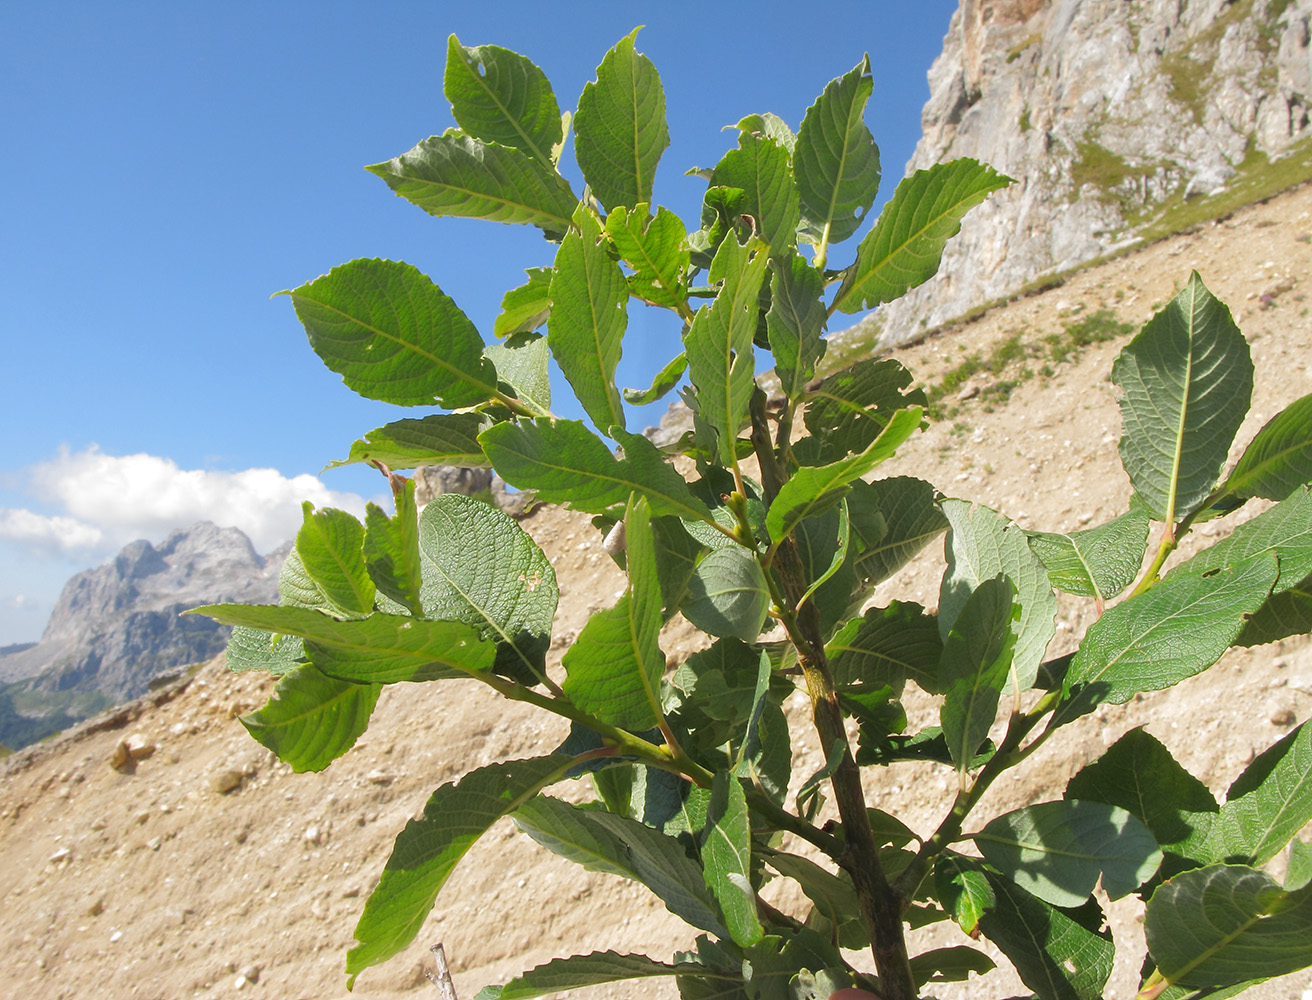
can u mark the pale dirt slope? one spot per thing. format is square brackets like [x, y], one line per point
[171, 888]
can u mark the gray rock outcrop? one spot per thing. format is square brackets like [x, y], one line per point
[1108, 114]
[116, 627]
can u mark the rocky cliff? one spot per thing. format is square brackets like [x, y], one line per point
[1120, 120]
[116, 627]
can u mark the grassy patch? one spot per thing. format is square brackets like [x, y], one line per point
[1094, 328]
[1258, 178]
[1009, 360]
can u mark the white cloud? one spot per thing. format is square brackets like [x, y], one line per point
[120, 498]
[49, 535]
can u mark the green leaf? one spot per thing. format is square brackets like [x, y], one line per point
[1059, 954]
[521, 361]
[1057, 850]
[760, 168]
[973, 669]
[589, 314]
[888, 646]
[1299, 872]
[1186, 381]
[394, 336]
[1284, 614]
[577, 971]
[656, 249]
[499, 96]
[814, 489]
[798, 964]
[619, 130]
[769, 125]
[722, 681]
[907, 519]
[605, 842]
[836, 159]
[964, 892]
[330, 546]
[427, 850]
[613, 669]
[311, 720]
[727, 858]
[728, 595]
[438, 439]
[904, 248]
[391, 550]
[1285, 529]
[526, 307]
[665, 380]
[481, 568]
[1268, 804]
[719, 341]
[380, 649]
[453, 174]
[676, 560]
[832, 895]
[1097, 562]
[564, 462]
[949, 965]
[256, 649]
[981, 545]
[1227, 924]
[852, 408]
[1279, 458]
[296, 589]
[796, 321]
[1139, 775]
[820, 577]
[1158, 638]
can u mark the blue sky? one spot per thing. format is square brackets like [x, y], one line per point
[171, 165]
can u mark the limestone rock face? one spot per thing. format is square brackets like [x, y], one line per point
[1105, 112]
[116, 627]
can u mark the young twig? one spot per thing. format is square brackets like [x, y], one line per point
[442, 980]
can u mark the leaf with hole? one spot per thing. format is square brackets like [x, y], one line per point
[500, 96]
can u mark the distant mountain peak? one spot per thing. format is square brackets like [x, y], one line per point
[116, 626]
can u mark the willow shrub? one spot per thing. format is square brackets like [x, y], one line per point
[691, 767]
